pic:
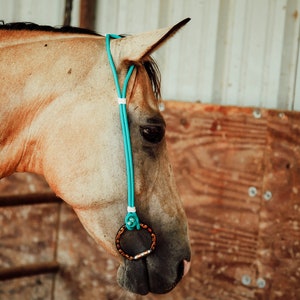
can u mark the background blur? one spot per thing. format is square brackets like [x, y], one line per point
[233, 52]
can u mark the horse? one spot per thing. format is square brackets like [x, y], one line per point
[60, 119]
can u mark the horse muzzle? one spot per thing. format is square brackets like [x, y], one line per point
[159, 272]
[140, 277]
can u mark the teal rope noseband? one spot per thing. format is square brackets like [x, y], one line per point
[131, 219]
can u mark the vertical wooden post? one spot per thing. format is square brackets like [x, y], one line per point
[87, 14]
[68, 12]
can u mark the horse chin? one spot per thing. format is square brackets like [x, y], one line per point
[133, 276]
[136, 277]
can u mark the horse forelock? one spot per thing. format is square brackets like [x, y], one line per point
[153, 72]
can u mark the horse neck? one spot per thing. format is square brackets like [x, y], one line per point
[36, 71]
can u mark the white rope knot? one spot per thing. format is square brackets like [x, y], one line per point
[122, 100]
[131, 209]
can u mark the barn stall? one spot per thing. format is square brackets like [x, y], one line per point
[235, 155]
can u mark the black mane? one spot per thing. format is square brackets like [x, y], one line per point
[35, 27]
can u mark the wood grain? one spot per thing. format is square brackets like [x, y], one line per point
[279, 235]
[23, 184]
[218, 153]
[28, 234]
[28, 288]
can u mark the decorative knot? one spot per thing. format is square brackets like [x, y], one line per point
[132, 221]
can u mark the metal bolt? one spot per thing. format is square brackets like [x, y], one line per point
[268, 195]
[261, 283]
[257, 113]
[246, 280]
[252, 191]
[161, 106]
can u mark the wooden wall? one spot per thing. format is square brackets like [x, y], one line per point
[238, 172]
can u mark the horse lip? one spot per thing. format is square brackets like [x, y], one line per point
[135, 277]
[128, 278]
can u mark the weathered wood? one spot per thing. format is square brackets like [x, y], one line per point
[279, 234]
[219, 153]
[28, 234]
[23, 184]
[87, 14]
[68, 12]
[28, 270]
[29, 199]
[28, 288]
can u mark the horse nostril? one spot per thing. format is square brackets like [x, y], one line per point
[186, 267]
[183, 268]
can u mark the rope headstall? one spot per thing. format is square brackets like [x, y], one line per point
[131, 219]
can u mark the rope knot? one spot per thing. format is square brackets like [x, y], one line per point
[132, 221]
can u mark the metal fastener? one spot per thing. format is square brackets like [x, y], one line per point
[161, 106]
[267, 195]
[246, 280]
[252, 191]
[257, 113]
[261, 283]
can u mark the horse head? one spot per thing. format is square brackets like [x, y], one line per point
[74, 139]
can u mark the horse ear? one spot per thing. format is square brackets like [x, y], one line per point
[135, 47]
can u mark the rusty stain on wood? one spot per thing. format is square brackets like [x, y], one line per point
[246, 245]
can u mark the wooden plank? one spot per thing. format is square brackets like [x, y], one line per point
[217, 153]
[27, 237]
[23, 184]
[33, 288]
[28, 234]
[28, 270]
[254, 240]
[87, 14]
[29, 199]
[68, 12]
[279, 235]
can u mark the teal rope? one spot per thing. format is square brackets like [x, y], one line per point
[131, 219]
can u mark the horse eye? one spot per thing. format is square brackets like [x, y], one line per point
[152, 133]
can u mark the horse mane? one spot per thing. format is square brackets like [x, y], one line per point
[35, 27]
[149, 64]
